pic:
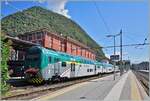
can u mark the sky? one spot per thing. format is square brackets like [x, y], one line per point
[99, 19]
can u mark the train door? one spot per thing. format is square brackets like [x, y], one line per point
[95, 69]
[72, 73]
[56, 67]
[102, 68]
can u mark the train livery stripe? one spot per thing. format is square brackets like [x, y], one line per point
[65, 72]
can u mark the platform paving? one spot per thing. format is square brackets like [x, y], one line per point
[126, 87]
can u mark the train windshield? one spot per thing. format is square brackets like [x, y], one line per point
[33, 60]
[33, 57]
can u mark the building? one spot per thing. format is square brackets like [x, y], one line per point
[17, 55]
[58, 42]
[141, 66]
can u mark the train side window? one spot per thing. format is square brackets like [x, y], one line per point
[63, 64]
[87, 70]
[91, 70]
[49, 59]
[56, 59]
[74, 68]
[71, 68]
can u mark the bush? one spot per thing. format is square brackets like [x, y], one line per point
[5, 51]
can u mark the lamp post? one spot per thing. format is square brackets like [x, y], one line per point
[121, 67]
[114, 37]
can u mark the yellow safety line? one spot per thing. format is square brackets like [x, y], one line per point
[135, 94]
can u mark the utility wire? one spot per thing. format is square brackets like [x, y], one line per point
[146, 38]
[101, 16]
[133, 39]
[143, 41]
[128, 45]
[129, 37]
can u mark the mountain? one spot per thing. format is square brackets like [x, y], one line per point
[36, 17]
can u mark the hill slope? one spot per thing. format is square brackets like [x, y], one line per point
[35, 18]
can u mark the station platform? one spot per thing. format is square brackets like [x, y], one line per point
[127, 88]
[123, 88]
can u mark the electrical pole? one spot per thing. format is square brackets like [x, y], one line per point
[114, 63]
[121, 67]
[114, 60]
[114, 55]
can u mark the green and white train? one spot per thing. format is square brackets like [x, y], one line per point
[43, 65]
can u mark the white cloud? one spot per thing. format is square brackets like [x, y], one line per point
[58, 6]
[41, 1]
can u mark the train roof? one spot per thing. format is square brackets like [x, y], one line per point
[66, 57]
[85, 60]
[107, 65]
[78, 59]
[98, 63]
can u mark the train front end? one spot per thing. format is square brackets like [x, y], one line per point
[33, 66]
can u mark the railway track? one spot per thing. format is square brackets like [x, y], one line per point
[143, 77]
[34, 91]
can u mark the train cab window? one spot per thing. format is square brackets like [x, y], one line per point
[32, 57]
[63, 64]
[49, 59]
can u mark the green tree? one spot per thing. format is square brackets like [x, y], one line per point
[5, 51]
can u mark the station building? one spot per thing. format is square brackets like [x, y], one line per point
[58, 42]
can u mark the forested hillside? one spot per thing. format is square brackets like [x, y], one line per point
[37, 18]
